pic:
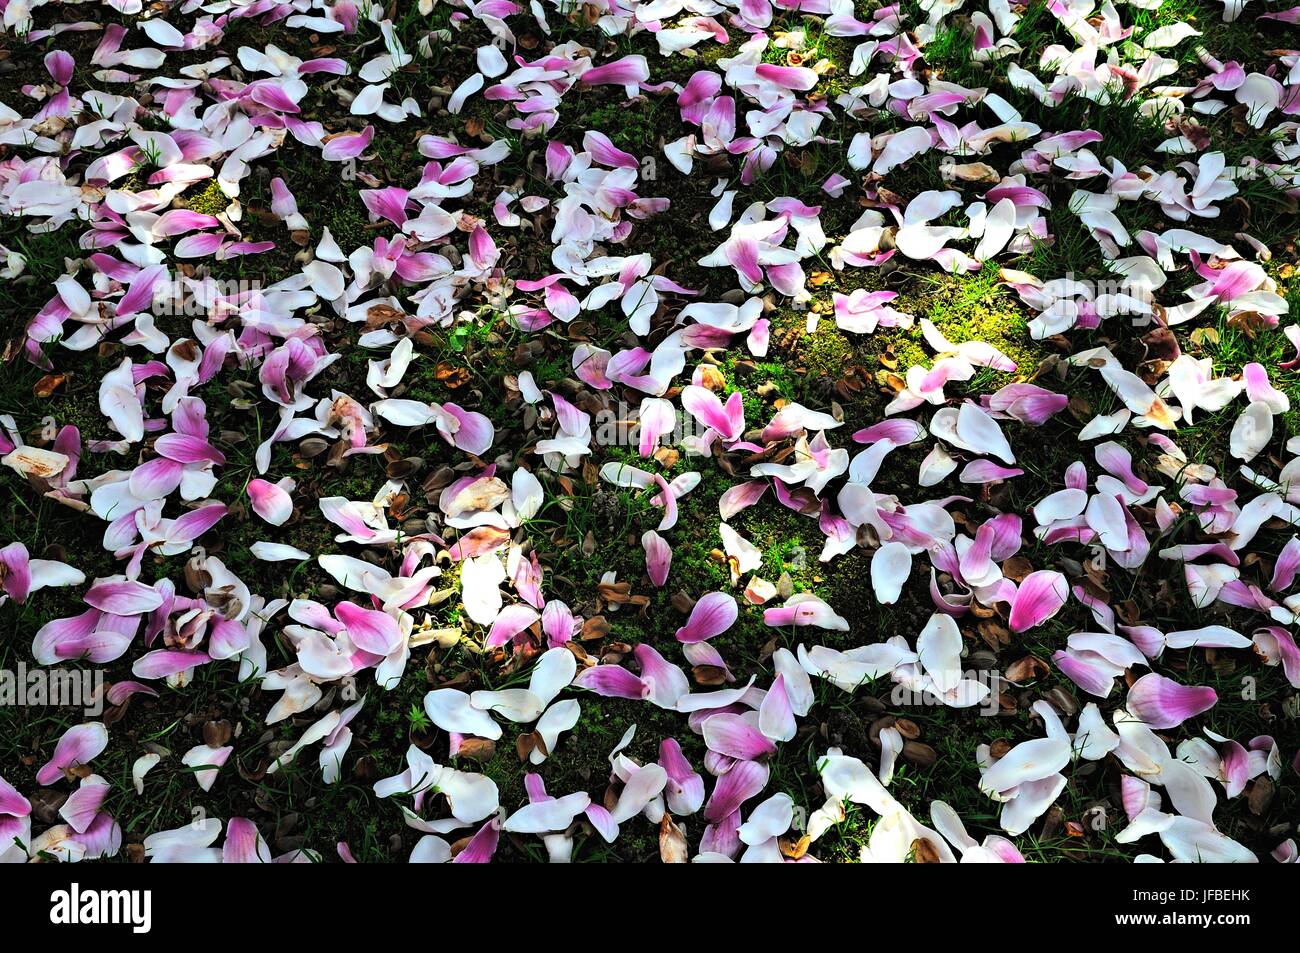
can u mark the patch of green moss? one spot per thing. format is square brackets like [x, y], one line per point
[825, 352]
[711, 53]
[209, 200]
[963, 308]
[629, 126]
[347, 223]
[907, 352]
[773, 378]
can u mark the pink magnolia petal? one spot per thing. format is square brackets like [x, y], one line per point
[559, 624]
[270, 501]
[1118, 462]
[629, 71]
[140, 294]
[195, 523]
[156, 478]
[741, 496]
[199, 245]
[665, 682]
[60, 65]
[1039, 597]
[657, 417]
[187, 448]
[1236, 769]
[601, 820]
[1286, 567]
[164, 663]
[1163, 703]
[511, 621]
[658, 557]
[735, 737]
[244, 844]
[745, 780]
[347, 145]
[1093, 679]
[714, 614]
[482, 846]
[119, 692]
[685, 788]
[123, 597]
[83, 804]
[476, 432]
[17, 573]
[15, 805]
[78, 745]
[776, 715]
[611, 681]
[702, 404]
[369, 629]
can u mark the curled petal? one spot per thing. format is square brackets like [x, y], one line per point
[714, 614]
